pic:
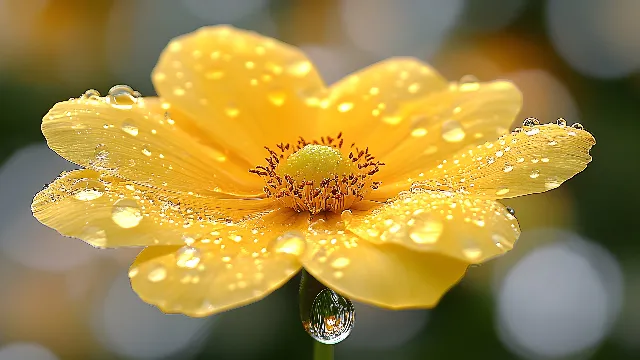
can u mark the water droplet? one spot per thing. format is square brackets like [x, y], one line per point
[532, 131]
[133, 272]
[534, 174]
[531, 121]
[146, 151]
[551, 184]
[291, 242]
[452, 131]
[340, 263]
[511, 211]
[122, 96]
[157, 274]
[472, 252]
[129, 127]
[577, 126]
[187, 257]
[552, 142]
[126, 213]
[502, 191]
[561, 122]
[345, 106]
[327, 316]
[468, 83]
[88, 190]
[232, 111]
[425, 231]
[507, 168]
[91, 94]
[277, 97]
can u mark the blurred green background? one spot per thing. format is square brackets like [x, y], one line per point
[570, 289]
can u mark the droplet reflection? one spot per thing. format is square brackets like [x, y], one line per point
[327, 316]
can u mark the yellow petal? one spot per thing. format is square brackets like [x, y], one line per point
[465, 114]
[245, 90]
[137, 142]
[106, 211]
[241, 264]
[439, 222]
[384, 275]
[534, 160]
[371, 107]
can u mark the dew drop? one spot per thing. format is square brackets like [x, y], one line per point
[130, 128]
[502, 191]
[426, 231]
[326, 316]
[157, 274]
[291, 242]
[452, 131]
[561, 122]
[146, 151]
[88, 190]
[122, 97]
[532, 131]
[91, 94]
[126, 213]
[277, 97]
[507, 168]
[552, 184]
[552, 143]
[577, 126]
[534, 174]
[511, 211]
[531, 121]
[468, 83]
[133, 272]
[188, 257]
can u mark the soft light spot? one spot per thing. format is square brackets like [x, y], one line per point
[419, 132]
[345, 106]
[472, 252]
[300, 68]
[158, 274]
[179, 91]
[552, 184]
[291, 242]
[502, 191]
[232, 111]
[277, 97]
[340, 263]
[452, 131]
[427, 232]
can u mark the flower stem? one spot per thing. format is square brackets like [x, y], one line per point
[322, 351]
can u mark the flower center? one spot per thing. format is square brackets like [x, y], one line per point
[317, 176]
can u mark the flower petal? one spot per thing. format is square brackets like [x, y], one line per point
[106, 211]
[237, 267]
[465, 114]
[372, 105]
[385, 275]
[137, 142]
[534, 160]
[245, 90]
[471, 230]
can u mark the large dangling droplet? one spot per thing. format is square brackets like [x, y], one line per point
[327, 316]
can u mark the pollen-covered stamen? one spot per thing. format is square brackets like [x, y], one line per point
[316, 176]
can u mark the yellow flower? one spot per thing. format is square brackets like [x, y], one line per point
[383, 186]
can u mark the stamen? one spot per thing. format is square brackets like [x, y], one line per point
[317, 179]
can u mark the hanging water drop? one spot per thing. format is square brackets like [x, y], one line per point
[452, 131]
[126, 213]
[327, 316]
[468, 83]
[561, 122]
[577, 126]
[511, 211]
